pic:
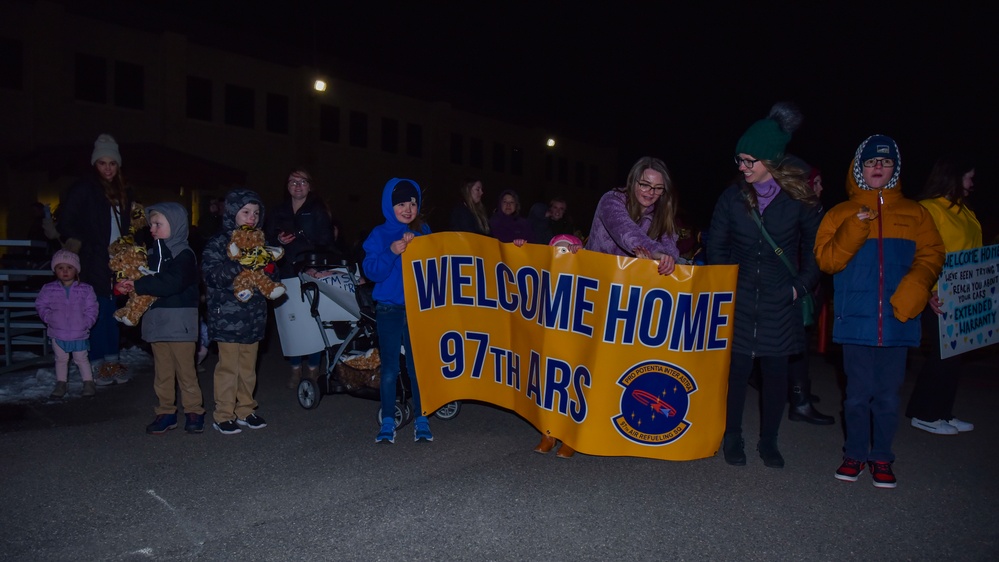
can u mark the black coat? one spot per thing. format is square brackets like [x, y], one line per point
[768, 322]
[85, 215]
[312, 226]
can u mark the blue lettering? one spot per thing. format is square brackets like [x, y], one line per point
[690, 322]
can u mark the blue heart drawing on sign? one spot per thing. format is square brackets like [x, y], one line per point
[992, 290]
[944, 315]
[979, 338]
[945, 286]
[953, 344]
[950, 330]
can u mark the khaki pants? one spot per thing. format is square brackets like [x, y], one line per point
[174, 365]
[235, 379]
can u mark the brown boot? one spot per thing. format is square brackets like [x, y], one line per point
[296, 375]
[313, 374]
[59, 391]
[565, 451]
[546, 445]
[89, 389]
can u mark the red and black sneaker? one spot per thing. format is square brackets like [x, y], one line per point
[849, 470]
[882, 475]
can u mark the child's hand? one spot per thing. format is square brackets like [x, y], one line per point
[124, 287]
[519, 242]
[642, 253]
[408, 237]
[666, 265]
[936, 304]
[867, 214]
[285, 238]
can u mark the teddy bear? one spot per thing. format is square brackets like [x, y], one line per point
[128, 261]
[247, 246]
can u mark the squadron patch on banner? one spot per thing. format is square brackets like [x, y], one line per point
[654, 403]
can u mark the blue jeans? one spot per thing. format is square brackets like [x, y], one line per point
[104, 334]
[393, 333]
[313, 360]
[874, 377]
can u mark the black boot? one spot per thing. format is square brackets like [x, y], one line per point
[769, 453]
[734, 448]
[801, 408]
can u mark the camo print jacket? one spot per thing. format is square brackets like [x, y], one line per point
[230, 320]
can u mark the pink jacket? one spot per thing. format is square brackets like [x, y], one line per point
[69, 317]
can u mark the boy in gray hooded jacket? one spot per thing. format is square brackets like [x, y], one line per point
[171, 323]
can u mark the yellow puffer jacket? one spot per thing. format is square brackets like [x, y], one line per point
[890, 261]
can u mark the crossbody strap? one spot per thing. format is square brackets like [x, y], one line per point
[766, 235]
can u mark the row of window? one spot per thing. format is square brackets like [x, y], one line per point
[101, 80]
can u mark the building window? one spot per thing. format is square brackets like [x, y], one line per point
[277, 113]
[129, 85]
[563, 170]
[499, 157]
[329, 123]
[475, 149]
[358, 129]
[199, 98]
[11, 64]
[239, 106]
[390, 135]
[414, 140]
[580, 174]
[91, 82]
[516, 161]
[457, 149]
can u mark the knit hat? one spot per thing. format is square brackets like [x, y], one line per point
[67, 257]
[565, 238]
[767, 138]
[877, 146]
[105, 145]
[403, 192]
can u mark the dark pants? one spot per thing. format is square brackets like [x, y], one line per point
[936, 387]
[104, 334]
[773, 389]
[874, 377]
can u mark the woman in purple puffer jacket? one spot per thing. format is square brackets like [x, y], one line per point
[639, 219]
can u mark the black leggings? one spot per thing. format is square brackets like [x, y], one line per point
[773, 389]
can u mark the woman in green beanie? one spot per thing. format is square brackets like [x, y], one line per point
[774, 195]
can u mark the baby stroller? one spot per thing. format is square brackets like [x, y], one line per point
[343, 311]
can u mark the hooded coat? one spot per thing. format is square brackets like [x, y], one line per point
[173, 316]
[768, 319]
[380, 264]
[882, 269]
[230, 320]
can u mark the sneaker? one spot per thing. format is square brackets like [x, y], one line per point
[59, 391]
[938, 427]
[882, 475]
[227, 427]
[103, 381]
[960, 425]
[850, 470]
[89, 389]
[195, 423]
[162, 424]
[421, 430]
[387, 433]
[252, 421]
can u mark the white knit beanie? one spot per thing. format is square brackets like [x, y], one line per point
[105, 145]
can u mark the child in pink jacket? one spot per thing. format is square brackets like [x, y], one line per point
[69, 307]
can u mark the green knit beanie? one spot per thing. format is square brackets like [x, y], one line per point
[767, 138]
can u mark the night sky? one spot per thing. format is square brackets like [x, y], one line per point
[662, 79]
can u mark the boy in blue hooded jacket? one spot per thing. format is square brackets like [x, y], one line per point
[401, 202]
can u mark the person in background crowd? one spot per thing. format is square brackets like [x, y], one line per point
[548, 220]
[68, 307]
[885, 254]
[945, 196]
[470, 214]
[506, 224]
[96, 211]
[768, 319]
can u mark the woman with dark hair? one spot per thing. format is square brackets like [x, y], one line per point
[96, 211]
[300, 224]
[639, 219]
[945, 196]
[506, 224]
[774, 196]
[470, 214]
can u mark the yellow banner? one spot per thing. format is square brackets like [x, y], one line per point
[599, 351]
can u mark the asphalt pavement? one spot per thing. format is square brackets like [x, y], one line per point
[80, 480]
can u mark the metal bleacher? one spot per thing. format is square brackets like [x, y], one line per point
[21, 326]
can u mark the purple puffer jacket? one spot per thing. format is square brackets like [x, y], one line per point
[613, 232]
[69, 318]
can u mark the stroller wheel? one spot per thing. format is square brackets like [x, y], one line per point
[448, 411]
[403, 414]
[308, 394]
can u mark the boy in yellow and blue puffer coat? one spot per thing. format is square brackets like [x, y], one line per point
[885, 255]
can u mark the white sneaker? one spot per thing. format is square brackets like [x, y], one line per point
[961, 426]
[938, 427]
